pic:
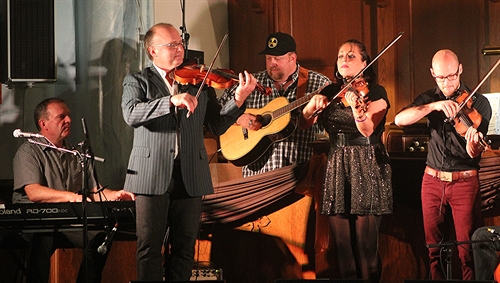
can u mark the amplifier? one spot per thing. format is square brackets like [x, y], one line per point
[407, 142]
[415, 143]
[208, 274]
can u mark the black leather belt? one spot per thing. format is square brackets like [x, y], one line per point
[341, 140]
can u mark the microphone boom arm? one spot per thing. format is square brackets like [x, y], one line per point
[74, 152]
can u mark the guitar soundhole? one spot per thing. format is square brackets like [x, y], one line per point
[265, 120]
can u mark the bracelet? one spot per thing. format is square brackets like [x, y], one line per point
[360, 119]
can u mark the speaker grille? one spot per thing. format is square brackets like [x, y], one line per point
[29, 31]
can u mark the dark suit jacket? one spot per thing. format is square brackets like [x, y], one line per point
[146, 107]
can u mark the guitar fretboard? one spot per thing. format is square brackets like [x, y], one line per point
[296, 104]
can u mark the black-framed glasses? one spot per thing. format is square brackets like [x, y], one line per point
[172, 45]
[451, 77]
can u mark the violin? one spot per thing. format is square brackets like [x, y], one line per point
[467, 117]
[217, 78]
[360, 87]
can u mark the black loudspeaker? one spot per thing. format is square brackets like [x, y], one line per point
[446, 281]
[27, 41]
[320, 281]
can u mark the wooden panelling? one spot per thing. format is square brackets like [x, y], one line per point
[403, 63]
[319, 38]
[429, 28]
[246, 36]
[443, 25]
[318, 26]
[493, 39]
[386, 69]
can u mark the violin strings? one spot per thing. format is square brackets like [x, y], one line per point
[468, 122]
[465, 119]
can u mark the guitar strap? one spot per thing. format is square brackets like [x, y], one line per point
[302, 82]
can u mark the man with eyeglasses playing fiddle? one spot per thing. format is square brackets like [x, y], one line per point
[451, 175]
[168, 167]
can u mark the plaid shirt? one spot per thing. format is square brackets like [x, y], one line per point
[294, 149]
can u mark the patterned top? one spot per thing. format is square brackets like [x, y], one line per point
[295, 149]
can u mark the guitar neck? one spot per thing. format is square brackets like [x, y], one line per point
[294, 104]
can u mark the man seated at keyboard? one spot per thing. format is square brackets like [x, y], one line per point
[46, 174]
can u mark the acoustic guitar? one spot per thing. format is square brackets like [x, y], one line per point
[242, 147]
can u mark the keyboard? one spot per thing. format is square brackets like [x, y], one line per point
[64, 216]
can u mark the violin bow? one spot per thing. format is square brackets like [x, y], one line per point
[209, 70]
[348, 85]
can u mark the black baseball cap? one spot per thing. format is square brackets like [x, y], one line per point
[278, 44]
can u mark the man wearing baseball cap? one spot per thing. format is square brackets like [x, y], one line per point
[284, 78]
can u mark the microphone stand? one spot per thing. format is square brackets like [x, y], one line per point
[85, 193]
[88, 155]
[85, 146]
[184, 34]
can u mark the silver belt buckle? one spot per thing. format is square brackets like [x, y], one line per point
[445, 176]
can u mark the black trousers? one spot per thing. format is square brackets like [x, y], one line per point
[179, 212]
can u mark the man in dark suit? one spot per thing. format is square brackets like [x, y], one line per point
[168, 167]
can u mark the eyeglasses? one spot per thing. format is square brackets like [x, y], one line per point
[172, 45]
[451, 77]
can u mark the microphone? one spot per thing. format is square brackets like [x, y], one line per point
[18, 134]
[103, 249]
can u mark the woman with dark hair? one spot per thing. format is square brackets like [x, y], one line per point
[357, 188]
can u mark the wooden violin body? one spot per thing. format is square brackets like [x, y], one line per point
[360, 87]
[468, 117]
[217, 78]
[195, 74]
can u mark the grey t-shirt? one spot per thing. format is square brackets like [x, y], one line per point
[37, 164]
